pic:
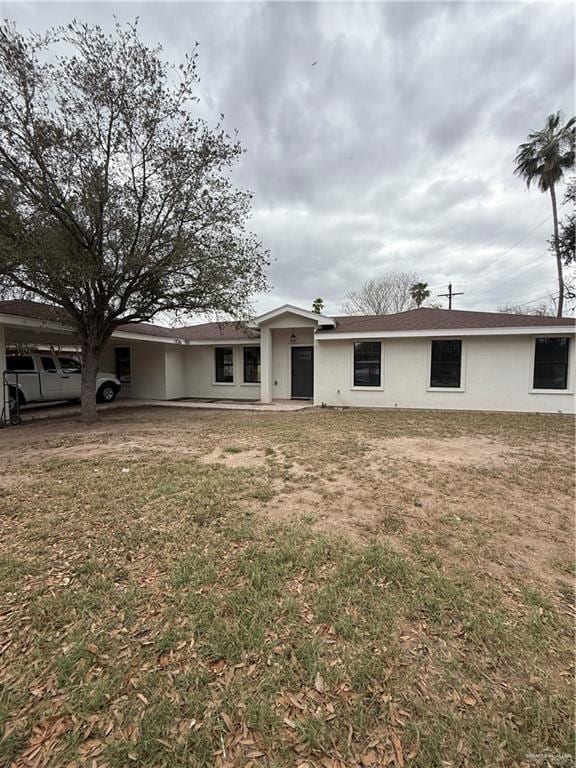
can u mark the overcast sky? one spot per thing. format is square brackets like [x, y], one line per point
[394, 151]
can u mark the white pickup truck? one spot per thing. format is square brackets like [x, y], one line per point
[40, 377]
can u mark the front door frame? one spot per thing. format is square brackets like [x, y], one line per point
[294, 346]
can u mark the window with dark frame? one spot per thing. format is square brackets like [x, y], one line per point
[446, 363]
[224, 357]
[252, 365]
[551, 363]
[123, 364]
[367, 363]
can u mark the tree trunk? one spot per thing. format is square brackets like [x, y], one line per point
[90, 361]
[557, 249]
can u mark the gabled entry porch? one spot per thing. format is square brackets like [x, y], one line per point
[287, 352]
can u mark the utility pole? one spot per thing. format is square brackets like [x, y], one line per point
[450, 294]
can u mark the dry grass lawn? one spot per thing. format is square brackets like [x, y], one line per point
[315, 589]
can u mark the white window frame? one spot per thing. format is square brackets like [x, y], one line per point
[251, 383]
[353, 387]
[223, 383]
[570, 383]
[462, 387]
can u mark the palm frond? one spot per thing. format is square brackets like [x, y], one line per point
[548, 153]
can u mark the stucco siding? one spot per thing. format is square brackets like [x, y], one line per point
[175, 360]
[496, 375]
[281, 358]
[289, 320]
[200, 373]
[148, 368]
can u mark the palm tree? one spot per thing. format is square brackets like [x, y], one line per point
[419, 292]
[318, 306]
[543, 159]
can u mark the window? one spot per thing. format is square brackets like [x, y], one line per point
[20, 363]
[69, 365]
[224, 365]
[49, 364]
[446, 364]
[551, 363]
[252, 365]
[123, 365]
[367, 362]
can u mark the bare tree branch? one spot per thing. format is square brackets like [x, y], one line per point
[382, 295]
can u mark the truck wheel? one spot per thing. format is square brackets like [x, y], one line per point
[106, 392]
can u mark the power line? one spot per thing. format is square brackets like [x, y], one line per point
[465, 280]
[506, 252]
[522, 269]
[528, 266]
[540, 298]
[549, 295]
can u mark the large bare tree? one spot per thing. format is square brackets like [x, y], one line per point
[392, 292]
[116, 201]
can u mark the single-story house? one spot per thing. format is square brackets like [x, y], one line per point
[422, 358]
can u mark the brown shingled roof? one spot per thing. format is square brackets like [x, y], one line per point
[441, 319]
[25, 308]
[224, 331]
[215, 331]
[218, 331]
[413, 320]
[148, 329]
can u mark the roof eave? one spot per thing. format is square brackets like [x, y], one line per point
[290, 308]
[547, 330]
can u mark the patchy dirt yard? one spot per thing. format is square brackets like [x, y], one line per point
[322, 588]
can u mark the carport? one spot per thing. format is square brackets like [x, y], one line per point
[153, 357]
[22, 329]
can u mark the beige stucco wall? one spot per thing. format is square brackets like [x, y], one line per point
[199, 366]
[275, 334]
[282, 358]
[171, 371]
[148, 368]
[497, 375]
[200, 369]
[175, 371]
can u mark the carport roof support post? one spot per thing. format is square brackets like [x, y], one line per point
[3, 395]
[265, 365]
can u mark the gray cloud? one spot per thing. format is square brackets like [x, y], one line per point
[394, 151]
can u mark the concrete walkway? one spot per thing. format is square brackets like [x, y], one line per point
[54, 411]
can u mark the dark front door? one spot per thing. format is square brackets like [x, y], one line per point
[303, 372]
